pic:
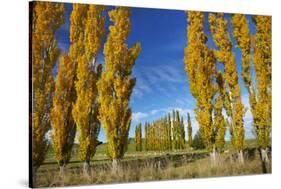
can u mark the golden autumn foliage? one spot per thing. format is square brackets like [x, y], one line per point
[224, 55]
[46, 19]
[116, 85]
[178, 134]
[138, 138]
[260, 95]
[189, 130]
[200, 68]
[63, 125]
[241, 33]
[88, 30]
[169, 132]
[219, 124]
[86, 33]
[158, 135]
[262, 60]
[219, 120]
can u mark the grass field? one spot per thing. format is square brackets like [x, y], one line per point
[146, 166]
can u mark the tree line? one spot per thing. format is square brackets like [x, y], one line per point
[217, 90]
[84, 95]
[163, 134]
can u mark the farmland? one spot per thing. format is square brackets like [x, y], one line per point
[147, 166]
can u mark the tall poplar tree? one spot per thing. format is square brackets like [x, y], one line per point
[182, 134]
[174, 131]
[261, 95]
[224, 55]
[86, 34]
[64, 128]
[200, 68]
[262, 59]
[189, 130]
[138, 137]
[46, 19]
[116, 84]
[169, 125]
[146, 140]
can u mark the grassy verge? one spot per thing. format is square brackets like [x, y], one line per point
[177, 165]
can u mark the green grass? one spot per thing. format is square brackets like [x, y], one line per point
[149, 170]
[131, 151]
[131, 154]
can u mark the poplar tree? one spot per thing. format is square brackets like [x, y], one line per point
[182, 134]
[219, 120]
[138, 138]
[116, 84]
[262, 59]
[259, 97]
[46, 19]
[224, 55]
[146, 136]
[167, 139]
[170, 146]
[64, 128]
[200, 68]
[174, 129]
[86, 34]
[189, 130]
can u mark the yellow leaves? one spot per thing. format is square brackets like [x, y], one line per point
[189, 130]
[62, 122]
[200, 67]
[259, 97]
[116, 85]
[86, 34]
[77, 18]
[46, 19]
[138, 138]
[94, 30]
[224, 54]
[262, 64]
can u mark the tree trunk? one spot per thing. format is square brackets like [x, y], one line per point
[86, 168]
[240, 157]
[264, 155]
[34, 171]
[214, 157]
[264, 159]
[62, 171]
[115, 165]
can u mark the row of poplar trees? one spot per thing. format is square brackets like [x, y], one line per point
[84, 95]
[164, 134]
[217, 90]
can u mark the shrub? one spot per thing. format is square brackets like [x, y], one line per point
[198, 141]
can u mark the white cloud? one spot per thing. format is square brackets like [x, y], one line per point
[161, 78]
[182, 111]
[138, 116]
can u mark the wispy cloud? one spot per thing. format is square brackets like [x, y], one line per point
[158, 78]
[185, 102]
[138, 116]
[167, 73]
[182, 111]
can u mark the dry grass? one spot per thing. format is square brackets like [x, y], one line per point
[149, 171]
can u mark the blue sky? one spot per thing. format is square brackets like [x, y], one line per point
[162, 84]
